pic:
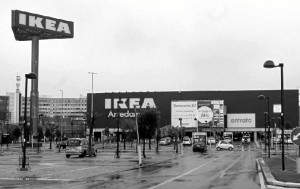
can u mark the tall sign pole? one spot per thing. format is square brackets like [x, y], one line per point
[32, 27]
[34, 95]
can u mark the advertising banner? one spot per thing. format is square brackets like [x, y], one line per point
[205, 112]
[211, 113]
[218, 108]
[240, 120]
[186, 110]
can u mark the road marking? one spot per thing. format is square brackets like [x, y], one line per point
[186, 173]
[229, 166]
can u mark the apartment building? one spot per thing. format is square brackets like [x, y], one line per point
[61, 107]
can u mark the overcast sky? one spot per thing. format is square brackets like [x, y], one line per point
[156, 45]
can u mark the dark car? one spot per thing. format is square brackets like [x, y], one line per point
[246, 140]
[199, 146]
[63, 144]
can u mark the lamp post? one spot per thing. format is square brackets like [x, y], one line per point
[61, 118]
[263, 97]
[265, 113]
[38, 144]
[27, 76]
[180, 120]
[92, 113]
[196, 124]
[275, 120]
[138, 137]
[270, 64]
[118, 154]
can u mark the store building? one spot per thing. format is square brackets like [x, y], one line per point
[239, 112]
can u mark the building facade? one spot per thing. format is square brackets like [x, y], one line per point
[239, 112]
[58, 107]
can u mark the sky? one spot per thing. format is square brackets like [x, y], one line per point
[156, 45]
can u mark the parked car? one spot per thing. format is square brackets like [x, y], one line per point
[276, 140]
[228, 139]
[79, 147]
[246, 139]
[165, 141]
[200, 146]
[288, 141]
[222, 144]
[186, 141]
[63, 144]
[211, 140]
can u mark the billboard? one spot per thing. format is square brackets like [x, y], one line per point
[25, 25]
[211, 113]
[186, 110]
[207, 113]
[240, 120]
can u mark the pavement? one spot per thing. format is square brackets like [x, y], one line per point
[271, 168]
[45, 168]
[44, 165]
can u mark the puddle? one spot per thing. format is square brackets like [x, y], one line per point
[114, 177]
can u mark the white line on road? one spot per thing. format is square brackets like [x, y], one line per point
[222, 174]
[186, 173]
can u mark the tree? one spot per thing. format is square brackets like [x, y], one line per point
[91, 122]
[57, 134]
[40, 132]
[126, 124]
[158, 137]
[106, 132]
[16, 133]
[147, 122]
[50, 132]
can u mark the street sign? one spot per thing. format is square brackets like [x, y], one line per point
[295, 136]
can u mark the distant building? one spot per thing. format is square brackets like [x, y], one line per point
[66, 107]
[49, 107]
[14, 107]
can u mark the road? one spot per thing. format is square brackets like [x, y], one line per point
[213, 169]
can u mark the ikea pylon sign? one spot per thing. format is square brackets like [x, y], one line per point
[25, 25]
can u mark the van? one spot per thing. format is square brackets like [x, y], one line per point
[79, 147]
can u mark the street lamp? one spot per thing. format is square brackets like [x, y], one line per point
[61, 118]
[180, 120]
[195, 119]
[38, 144]
[138, 137]
[27, 76]
[263, 97]
[118, 154]
[270, 64]
[92, 112]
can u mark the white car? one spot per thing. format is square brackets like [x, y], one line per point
[165, 141]
[187, 141]
[222, 144]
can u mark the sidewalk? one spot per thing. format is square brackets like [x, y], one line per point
[272, 168]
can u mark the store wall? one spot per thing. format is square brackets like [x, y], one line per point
[244, 102]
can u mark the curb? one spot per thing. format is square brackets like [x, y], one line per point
[270, 180]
